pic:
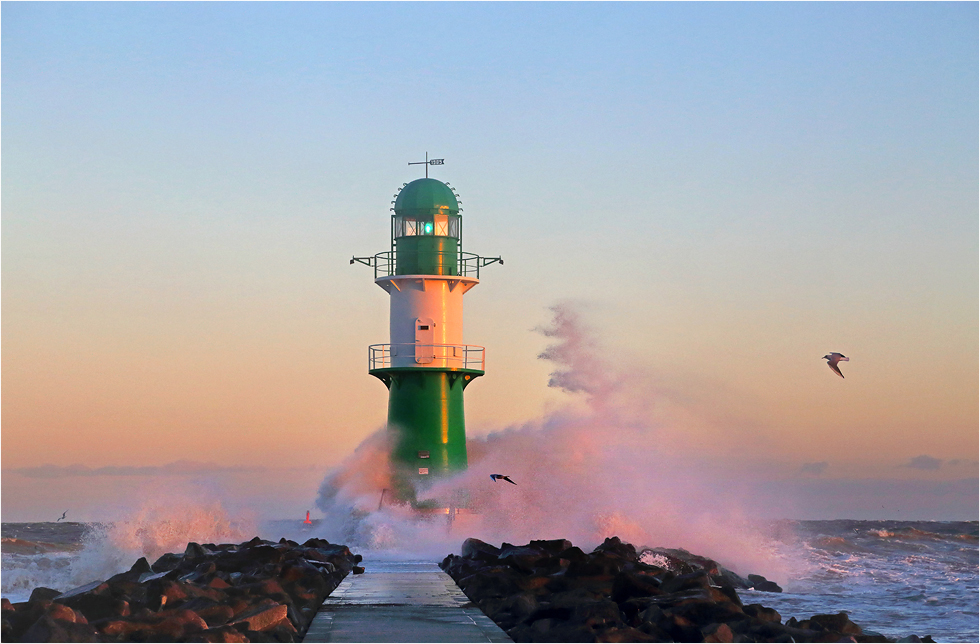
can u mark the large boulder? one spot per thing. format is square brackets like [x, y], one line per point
[476, 549]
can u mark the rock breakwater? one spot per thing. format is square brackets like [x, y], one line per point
[256, 591]
[552, 591]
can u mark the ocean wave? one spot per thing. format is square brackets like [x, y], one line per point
[839, 544]
[14, 545]
[917, 534]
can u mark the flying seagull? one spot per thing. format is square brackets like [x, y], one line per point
[832, 360]
[494, 477]
[62, 515]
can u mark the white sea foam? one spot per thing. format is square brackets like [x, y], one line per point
[160, 524]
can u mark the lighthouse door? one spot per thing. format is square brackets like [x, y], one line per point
[424, 336]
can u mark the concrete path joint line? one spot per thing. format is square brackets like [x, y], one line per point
[397, 601]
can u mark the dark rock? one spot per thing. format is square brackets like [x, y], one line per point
[65, 614]
[628, 585]
[672, 559]
[523, 558]
[47, 629]
[760, 612]
[476, 549]
[493, 582]
[358, 570]
[195, 551]
[553, 547]
[697, 579]
[597, 615]
[594, 565]
[718, 633]
[573, 554]
[615, 547]
[724, 577]
[167, 562]
[263, 617]
[838, 623]
[95, 587]
[265, 554]
[682, 629]
[38, 594]
[726, 593]
[220, 634]
[707, 612]
[217, 615]
[652, 630]
[762, 584]
[96, 607]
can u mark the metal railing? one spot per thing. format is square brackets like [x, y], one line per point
[447, 356]
[467, 264]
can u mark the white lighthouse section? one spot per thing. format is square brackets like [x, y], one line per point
[426, 323]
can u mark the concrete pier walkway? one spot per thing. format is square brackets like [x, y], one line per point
[401, 602]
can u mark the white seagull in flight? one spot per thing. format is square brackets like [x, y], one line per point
[832, 360]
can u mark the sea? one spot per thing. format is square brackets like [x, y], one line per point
[896, 578]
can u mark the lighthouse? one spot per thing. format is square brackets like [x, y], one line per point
[426, 366]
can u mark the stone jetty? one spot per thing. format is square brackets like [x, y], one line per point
[552, 591]
[543, 591]
[257, 591]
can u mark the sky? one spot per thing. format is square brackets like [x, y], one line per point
[723, 192]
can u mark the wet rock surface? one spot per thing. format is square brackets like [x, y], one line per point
[257, 591]
[552, 591]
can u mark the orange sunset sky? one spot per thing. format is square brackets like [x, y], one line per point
[724, 194]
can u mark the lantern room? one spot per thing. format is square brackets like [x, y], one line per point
[426, 229]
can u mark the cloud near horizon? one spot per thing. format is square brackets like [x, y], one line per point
[814, 468]
[176, 468]
[924, 462]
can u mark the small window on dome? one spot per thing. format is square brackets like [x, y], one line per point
[441, 225]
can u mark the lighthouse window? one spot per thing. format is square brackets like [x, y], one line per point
[406, 227]
[424, 327]
[440, 226]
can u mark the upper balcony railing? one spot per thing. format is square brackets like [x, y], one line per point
[445, 356]
[467, 264]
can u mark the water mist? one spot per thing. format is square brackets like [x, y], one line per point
[585, 472]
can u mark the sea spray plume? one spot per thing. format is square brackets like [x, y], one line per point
[601, 470]
[158, 526]
[587, 472]
[579, 367]
[352, 497]
[358, 481]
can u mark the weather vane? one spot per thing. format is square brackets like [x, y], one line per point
[427, 163]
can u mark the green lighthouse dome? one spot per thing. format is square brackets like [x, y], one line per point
[426, 197]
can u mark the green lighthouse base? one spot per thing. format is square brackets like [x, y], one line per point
[426, 422]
